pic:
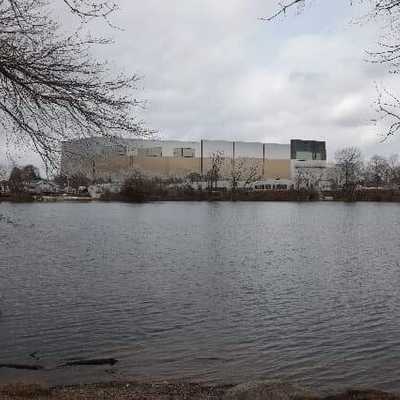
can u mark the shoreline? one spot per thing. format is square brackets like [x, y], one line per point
[180, 390]
[277, 196]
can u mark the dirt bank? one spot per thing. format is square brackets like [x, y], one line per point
[179, 391]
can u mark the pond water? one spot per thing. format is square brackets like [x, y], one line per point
[216, 292]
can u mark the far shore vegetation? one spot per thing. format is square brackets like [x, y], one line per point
[348, 179]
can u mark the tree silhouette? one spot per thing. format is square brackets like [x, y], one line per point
[51, 88]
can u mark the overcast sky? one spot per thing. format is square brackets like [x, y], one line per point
[212, 70]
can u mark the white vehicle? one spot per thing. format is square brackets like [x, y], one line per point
[272, 184]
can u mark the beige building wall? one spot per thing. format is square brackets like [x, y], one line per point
[277, 169]
[168, 167]
[150, 166]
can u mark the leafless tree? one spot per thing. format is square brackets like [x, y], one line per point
[394, 170]
[21, 177]
[387, 52]
[139, 187]
[245, 172]
[213, 174]
[349, 164]
[377, 171]
[51, 88]
[308, 179]
[300, 179]
[334, 177]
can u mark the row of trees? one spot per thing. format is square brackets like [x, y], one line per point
[20, 178]
[241, 170]
[351, 170]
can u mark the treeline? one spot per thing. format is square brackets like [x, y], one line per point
[351, 171]
[349, 178]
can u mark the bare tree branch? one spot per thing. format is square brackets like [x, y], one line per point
[282, 9]
[388, 52]
[51, 89]
[388, 107]
[91, 9]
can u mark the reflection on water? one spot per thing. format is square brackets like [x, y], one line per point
[222, 292]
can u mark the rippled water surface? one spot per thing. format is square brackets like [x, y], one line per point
[220, 292]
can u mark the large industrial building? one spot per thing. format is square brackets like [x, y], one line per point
[113, 159]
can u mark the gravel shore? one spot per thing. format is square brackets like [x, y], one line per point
[178, 391]
[120, 391]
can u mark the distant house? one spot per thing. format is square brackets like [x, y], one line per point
[96, 191]
[4, 187]
[43, 187]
